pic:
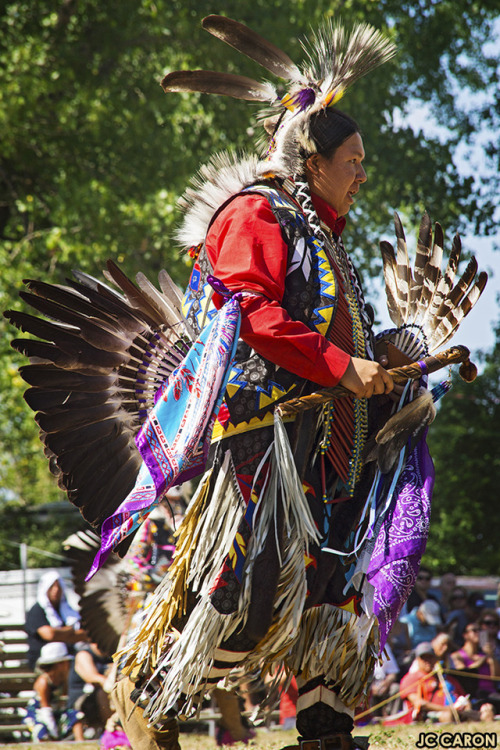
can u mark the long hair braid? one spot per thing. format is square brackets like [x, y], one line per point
[302, 195]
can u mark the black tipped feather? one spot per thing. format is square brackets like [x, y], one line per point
[252, 45]
[224, 84]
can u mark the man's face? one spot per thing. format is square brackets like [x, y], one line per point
[338, 179]
[441, 644]
[458, 599]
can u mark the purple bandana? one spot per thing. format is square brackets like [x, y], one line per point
[402, 539]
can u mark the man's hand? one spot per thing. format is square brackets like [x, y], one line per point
[366, 378]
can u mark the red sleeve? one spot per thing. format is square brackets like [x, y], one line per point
[247, 252]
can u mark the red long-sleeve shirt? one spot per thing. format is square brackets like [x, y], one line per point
[247, 252]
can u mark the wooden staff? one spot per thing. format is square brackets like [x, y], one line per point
[413, 371]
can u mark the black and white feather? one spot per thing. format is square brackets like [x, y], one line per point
[254, 46]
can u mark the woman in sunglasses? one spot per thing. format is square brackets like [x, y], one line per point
[489, 623]
[482, 666]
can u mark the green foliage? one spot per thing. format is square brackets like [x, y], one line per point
[42, 529]
[464, 445]
[93, 154]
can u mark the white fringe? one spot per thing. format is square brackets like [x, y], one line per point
[189, 661]
[294, 501]
[216, 529]
[339, 645]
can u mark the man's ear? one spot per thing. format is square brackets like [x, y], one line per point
[313, 164]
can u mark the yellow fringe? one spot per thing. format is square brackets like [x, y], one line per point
[157, 625]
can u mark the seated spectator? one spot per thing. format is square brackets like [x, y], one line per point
[457, 618]
[421, 590]
[88, 691]
[51, 618]
[423, 622]
[475, 605]
[443, 646]
[444, 592]
[481, 663]
[489, 622]
[424, 693]
[46, 716]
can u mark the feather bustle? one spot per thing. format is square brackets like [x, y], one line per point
[103, 599]
[95, 365]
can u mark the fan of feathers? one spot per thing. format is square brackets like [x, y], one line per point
[426, 304]
[95, 366]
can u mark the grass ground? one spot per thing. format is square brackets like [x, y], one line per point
[381, 738]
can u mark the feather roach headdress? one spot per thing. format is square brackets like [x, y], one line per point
[334, 60]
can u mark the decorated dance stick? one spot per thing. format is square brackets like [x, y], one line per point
[413, 371]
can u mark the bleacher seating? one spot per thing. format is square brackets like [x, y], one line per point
[16, 682]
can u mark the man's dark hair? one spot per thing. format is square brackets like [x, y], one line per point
[329, 129]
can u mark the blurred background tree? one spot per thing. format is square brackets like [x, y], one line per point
[464, 445]
[93, 154]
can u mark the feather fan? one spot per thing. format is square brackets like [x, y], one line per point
[96, 361]
[425, 304]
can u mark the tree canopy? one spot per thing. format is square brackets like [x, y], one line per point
[94, 155]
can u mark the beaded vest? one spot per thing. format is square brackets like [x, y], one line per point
[314, 294]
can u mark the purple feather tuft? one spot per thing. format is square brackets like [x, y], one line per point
[304, 98]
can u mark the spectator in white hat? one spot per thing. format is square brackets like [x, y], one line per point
[46, 715]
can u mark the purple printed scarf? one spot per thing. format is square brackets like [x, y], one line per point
[402, 539]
